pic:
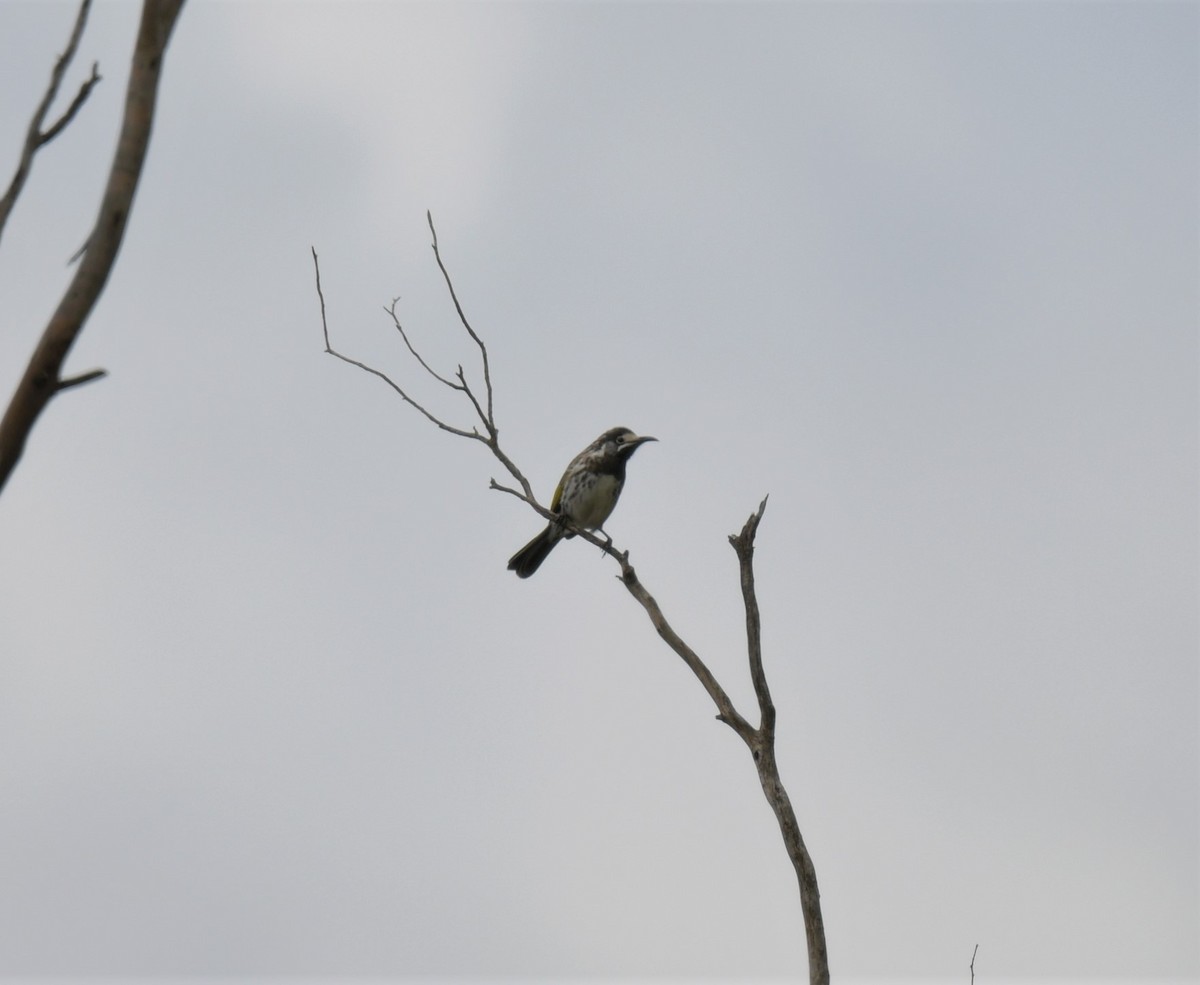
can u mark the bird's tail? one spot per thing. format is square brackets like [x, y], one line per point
[530, 557]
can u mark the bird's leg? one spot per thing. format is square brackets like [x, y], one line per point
[607, 539]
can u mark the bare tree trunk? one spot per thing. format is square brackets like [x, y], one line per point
[43, 376]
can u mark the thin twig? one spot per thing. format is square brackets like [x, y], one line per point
[429, 416]
[81, 379]
[391, 310]
[485, 418]
[487, 375]
[85, 90]
[321, 296]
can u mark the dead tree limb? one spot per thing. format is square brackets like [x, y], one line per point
[43, 376]
[760, 739]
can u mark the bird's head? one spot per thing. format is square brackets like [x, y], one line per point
[620, 442]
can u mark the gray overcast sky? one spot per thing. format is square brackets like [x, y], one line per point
[924, 273]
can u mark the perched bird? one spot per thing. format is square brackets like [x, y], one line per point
[585, 496]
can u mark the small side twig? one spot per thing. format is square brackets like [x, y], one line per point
[81, 379]
[85, 90]
[973, 953]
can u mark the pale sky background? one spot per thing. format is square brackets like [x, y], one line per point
[925, 273]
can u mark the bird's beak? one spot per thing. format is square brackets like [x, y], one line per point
[641, 440]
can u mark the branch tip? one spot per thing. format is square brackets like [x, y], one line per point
[80, 380]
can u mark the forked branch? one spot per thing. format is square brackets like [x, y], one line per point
[759, 740]
[35, 136]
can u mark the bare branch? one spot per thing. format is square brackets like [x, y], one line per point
[35, 136]
[492, 436]
[432, 418]
[80, 98]
[726, 712]
[321, 297]
[806, 874]
[487, 376]
[485, 418]
[510, 466]
[743, 544]
[391, 310]
[762, 747]
[43, 375]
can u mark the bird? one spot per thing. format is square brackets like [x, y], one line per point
[586, 495]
